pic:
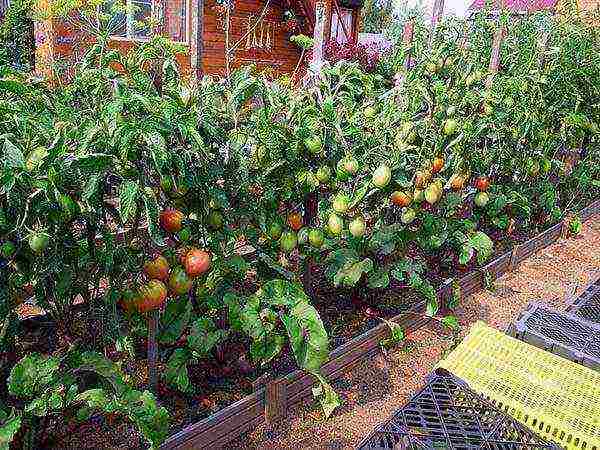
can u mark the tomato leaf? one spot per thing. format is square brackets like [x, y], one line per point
[151, 207]
[327, 396]
[307, 335]
[451, 322]
[174, 320]
[378, 279]
[9, 426]
[32, 375]
[128, 200]
[13, 157]
[177, 370]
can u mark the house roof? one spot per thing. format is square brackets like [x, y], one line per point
[516, 5]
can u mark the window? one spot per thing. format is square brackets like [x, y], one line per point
[337, 29]
[133, 20]
[177, 20]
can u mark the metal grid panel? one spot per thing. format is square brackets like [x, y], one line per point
[587, 305]
[563, 334]
[447, 414]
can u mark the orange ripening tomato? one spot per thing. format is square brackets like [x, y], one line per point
[171, 220]
[196, 262]
[152, 296]
[157, 269]
[295, 221]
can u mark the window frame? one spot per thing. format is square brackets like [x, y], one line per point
[188, 25]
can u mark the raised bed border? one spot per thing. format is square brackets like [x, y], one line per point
[229, 423]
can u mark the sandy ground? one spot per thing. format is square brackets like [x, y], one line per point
[372, 391]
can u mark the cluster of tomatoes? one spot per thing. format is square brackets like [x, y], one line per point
[164, 278]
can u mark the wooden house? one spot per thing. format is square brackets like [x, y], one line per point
[259, 31]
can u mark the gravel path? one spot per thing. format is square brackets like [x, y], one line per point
[373, 390]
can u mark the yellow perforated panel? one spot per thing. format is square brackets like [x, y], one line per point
[556, 398]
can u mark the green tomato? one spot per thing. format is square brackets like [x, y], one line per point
[357, 227]
[275, 230]
[369, 112]
[351, 165]
[323, 174]
[38, 241]
[316, 238]
[482, 199]
[335, 224]
[546, 165]
[408, 216]
[340, 203]
[36, 158]
[382, 176]
[450, 126]
[314, 145]
[288, 241]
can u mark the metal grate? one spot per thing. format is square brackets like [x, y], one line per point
[563, 334]
[446, 414]
[587, 305]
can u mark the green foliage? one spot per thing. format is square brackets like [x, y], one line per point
[10, 423]
[17, 45]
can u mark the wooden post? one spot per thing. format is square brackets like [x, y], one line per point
[496, 46]
[275, 400]
[436, 13]
[45, 41]
[319, 37]
[407, 39]
[152, 350]
[196, 39]
[495, 56]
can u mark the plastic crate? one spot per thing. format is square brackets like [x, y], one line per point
[555, 397]
[446, 414]
[561, 333]
[587, 305]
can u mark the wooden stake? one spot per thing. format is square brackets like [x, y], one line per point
[152, 350]
[275, 400]
[495, 56]
[436, 14]
[407, 39]
[319, 37]
[197, 39]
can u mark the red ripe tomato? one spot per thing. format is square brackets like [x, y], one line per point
[152, 296]
[129, 301]
[181, 253]
[157, 269]
[171, 220]
[482, 184]
[295, 221]
[438, 164]
[179, 281]
[196, 262]
[399, 198]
